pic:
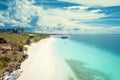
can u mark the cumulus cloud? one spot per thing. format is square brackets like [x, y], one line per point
[68, 18]
[23, 13]
[20, 13]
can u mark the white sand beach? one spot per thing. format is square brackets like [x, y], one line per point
[43, 64]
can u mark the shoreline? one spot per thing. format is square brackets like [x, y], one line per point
[43, 64]
[13, 49]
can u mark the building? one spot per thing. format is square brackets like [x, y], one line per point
[14, 30]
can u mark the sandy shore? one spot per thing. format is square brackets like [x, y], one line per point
[43, 64]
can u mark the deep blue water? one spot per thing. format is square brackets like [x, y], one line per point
[100, 55]
[108, 42]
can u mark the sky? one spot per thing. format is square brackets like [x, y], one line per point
[62, 16]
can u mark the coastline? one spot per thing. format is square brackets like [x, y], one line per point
[43, 64]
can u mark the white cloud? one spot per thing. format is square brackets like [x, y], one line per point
[55, 20]
[95, 11]
[77, 7]
[53, 17]
[1, 24]
[19, 13]
[23, 10]
[88, 29]
[95, 2]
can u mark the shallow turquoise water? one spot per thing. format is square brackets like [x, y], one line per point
[92, 56]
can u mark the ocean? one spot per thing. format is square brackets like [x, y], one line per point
[91, 57]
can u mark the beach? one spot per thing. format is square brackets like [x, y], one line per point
[43, 64]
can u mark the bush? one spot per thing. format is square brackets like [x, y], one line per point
[21, 48]
[25, 48]
[5, 59]
[2, 40]
[1, 64]
[28, 41]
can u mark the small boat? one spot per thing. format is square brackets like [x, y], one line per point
[64, 37]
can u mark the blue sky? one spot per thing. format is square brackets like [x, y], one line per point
[62, 16]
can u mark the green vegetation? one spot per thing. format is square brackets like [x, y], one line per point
[37, 37]
[14, 55]
[6, 60]
[28, 41]
[25, 48]
[18, 39]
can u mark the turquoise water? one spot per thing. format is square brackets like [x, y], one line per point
[95, 58]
